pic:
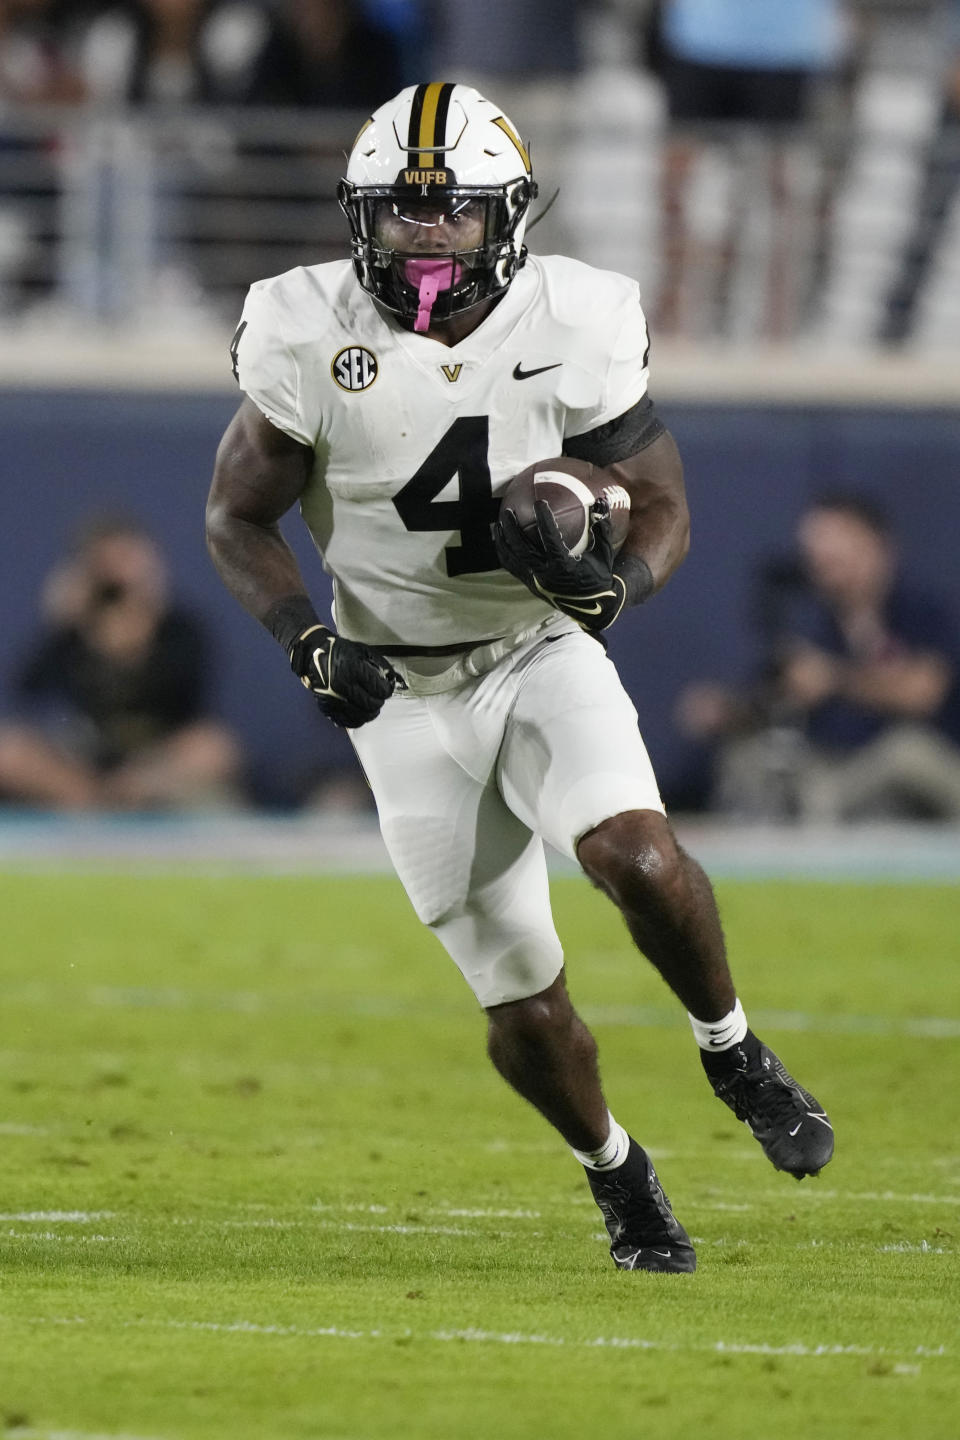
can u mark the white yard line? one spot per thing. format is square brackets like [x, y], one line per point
[409, 1229]
[810, 1194]
[470, 1214]
[256, 1002]
[864, 1197]
[56, 1235]
[920, 1027]
[59, 1217]
[426, 1227]
[795, 1349]
[20, 1432]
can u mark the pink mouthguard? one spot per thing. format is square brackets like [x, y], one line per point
[430, 276]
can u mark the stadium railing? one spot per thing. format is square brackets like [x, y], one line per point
[777, 256]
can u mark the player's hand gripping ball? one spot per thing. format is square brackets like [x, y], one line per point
[559, 528]
[351, 681]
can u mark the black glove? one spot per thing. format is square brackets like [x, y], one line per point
[587, 589]
[351, 681]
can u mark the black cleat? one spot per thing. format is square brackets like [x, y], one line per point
[791, 1126]
[644, 1233]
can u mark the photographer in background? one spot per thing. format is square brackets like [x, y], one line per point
[856, 711]
[115, 690]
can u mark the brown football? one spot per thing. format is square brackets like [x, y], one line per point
[569, 487]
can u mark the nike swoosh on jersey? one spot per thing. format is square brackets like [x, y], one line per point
[519, 374]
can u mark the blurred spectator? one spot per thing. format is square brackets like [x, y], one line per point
[752, 189]
[34, 65]
[311, 53]
[746, 59]
[327, 53]
[35, 70]
[174, 51]
[856, 714]
[114, 690]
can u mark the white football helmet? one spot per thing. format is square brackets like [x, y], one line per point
[441, 150]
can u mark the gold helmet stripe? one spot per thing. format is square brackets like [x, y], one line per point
[503, 124]
[428, 122]
[428, 126]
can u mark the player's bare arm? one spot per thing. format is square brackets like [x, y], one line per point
[659, 533]
[260, 472]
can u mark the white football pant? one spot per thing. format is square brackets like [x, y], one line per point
[470, 782]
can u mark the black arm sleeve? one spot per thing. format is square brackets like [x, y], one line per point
[618, 439]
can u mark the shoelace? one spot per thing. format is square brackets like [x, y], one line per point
[768, 1098]
[627, 1206]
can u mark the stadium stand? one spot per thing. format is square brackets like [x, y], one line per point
[128, 236]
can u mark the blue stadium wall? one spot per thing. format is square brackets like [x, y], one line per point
[72, 454]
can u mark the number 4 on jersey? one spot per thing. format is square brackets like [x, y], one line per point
[462, 453]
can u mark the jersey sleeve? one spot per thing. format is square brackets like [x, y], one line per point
[625, 380]
[265, 367]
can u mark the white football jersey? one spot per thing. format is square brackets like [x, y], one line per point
[414, 440]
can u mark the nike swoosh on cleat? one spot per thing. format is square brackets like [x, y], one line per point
[795, 1129]
[519, 374]
[664, 1254]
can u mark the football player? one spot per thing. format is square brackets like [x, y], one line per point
[393, 396]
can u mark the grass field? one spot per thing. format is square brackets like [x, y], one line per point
[260, 1182]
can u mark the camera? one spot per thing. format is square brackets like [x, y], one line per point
[107, 593]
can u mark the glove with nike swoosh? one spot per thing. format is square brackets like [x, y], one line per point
[350, 681]
[587, 588]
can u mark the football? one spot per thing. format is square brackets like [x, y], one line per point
[570, 488]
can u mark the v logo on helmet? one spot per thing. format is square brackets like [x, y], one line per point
[502, 123]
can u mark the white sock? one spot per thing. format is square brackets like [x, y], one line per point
[720, 1034]
[611, 1154]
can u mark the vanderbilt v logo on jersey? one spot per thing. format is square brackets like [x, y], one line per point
[452, 372]
[354, 368]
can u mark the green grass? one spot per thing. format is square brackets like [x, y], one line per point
[303, 1205]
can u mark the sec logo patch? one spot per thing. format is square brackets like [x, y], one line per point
[354, 368]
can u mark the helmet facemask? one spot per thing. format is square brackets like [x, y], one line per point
[399, 262]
